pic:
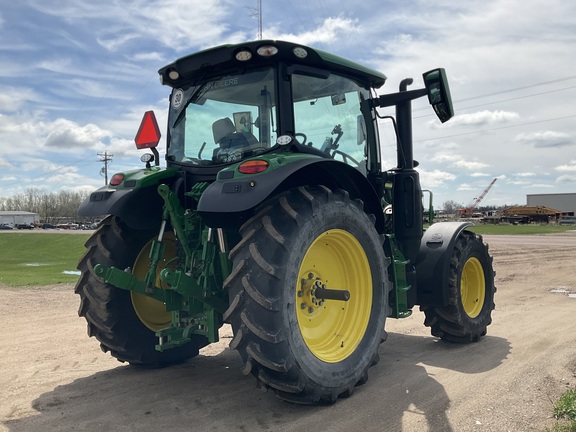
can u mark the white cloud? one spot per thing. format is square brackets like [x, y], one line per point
[14, 98]
[458, 161]
[571, 166]
[483, 118]
[443, 157]
[44, 165]
[539, 186]
[434, 178]
[179, 24]
[115, 42]
[441, 145]
[470, 165]
[67, 135]
[149, 56]
[466, 187]
[544, 139]
[566, 179]
[331, 30]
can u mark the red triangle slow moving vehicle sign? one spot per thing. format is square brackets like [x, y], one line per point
[149, 133]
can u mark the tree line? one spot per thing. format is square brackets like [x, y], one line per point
[62, 206]
[52, 207]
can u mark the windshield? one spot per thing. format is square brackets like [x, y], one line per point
[223, 120]
[233, 117]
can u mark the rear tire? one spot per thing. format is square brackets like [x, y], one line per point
[471, 293]
[305, 350]
[110, 312]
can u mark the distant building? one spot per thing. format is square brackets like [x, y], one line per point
[18, 217]
[565, 202]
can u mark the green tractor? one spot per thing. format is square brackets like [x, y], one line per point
[273, 214]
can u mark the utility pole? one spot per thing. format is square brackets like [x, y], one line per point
[105, 157]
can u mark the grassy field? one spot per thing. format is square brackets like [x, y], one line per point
[506, 229]
[28, 259]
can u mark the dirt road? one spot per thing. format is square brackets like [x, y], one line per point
[54, 378]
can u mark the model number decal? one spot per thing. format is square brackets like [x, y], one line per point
[177, 98]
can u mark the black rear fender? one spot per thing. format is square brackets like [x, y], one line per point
[139, 208]
[230, 202]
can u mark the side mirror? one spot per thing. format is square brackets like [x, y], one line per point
[439, 93]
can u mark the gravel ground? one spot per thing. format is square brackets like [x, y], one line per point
[55, 378]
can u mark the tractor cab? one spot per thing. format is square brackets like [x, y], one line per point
[231, 103]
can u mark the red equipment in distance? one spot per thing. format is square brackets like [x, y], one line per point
[469, 210]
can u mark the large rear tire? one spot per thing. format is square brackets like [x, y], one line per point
[471, 293]
[305, 349]
[122, 322]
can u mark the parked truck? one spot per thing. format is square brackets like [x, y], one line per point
[273, 214]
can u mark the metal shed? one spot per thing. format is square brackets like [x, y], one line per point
[18, 217]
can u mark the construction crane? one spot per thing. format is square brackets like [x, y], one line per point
[469, 209]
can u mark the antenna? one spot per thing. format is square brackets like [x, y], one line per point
[257, 13]
[259, 19]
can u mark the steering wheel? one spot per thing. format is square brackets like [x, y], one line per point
[345, 157]
[304, 138]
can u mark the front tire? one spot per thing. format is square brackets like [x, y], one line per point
[305, 349]
[471, 293]
[125, 324]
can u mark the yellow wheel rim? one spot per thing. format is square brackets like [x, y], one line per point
[333, 329]
[152, 312]
[472, 287]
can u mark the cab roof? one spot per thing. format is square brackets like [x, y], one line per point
[224, 58]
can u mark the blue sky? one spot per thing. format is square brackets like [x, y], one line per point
[76, 77]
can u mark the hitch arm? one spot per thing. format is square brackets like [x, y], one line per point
[125, 280]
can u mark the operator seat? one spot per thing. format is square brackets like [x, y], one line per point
[226, 135]
[231, 143]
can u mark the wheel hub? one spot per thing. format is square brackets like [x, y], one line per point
[314, 293]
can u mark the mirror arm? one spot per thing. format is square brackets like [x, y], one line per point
[156, 156]
[396, 98]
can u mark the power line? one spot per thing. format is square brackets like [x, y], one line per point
[458, 101]
[495, 102]
[499, 128]
[518, 88]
